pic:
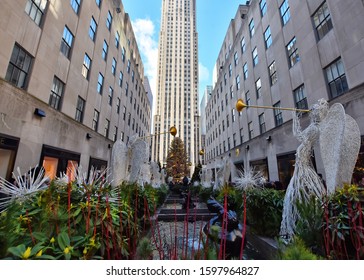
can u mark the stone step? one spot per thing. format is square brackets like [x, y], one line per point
[192, 211]
[205, 216]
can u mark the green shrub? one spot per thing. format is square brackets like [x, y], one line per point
[264, 210]
[296, 250]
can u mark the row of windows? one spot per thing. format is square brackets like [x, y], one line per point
[322, 22]
[336, 78]
[21, 61]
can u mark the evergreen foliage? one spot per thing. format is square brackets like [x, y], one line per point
[177, 160]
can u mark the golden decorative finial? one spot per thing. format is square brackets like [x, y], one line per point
[173, 131]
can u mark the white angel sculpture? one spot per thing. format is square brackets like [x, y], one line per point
[338, 151]
[156, 176]
[139, 154]
[119, 163]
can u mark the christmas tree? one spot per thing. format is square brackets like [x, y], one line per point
[177, 166]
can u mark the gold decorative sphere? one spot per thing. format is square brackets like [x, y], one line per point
[202, 152]
[173, 131]
[240, 105]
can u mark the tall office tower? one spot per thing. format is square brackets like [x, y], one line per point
[177, 88]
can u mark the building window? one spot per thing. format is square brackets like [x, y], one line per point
[245, 70]
[250, 130]
[336, 78]
[121, 75]
[86, 66]
[92, 29]
[233, 115]
[122, 136]
[128, 66]
[251, 28]
[98, 3]
[241, 136]
[258, 87]
[236, 59]
[293, 52]
[300, 98]
[262, 123]
[105, 48]
[267, 37]
[243, 47]
[107, 128]
[100, 83]
[237, 82]
[113, 66]
[230, 70]
[75, 4]
[123, 54]
[35, 9]
[126, 88]
[129, 118]
[232, 92]
[110, 96]
[66, 43]
[255, 56]
[263, 7]
[132, 76]
[124, 113]
[117, 39]
[118, 105]
[234, 140]
[322, 20]
[80, 109]
[284, 10]
[115, 136]
[278, 118]
[19, 67]
[247, 98]
[95, 120]
[55, 98]
[272, 73]
[109, 20]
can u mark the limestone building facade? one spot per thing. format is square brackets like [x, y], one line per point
[71, 84]
[177, 81]
[283, 53]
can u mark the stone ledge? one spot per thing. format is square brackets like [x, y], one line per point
[267, 247]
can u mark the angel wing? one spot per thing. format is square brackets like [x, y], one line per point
[339, 145]
[350, 149]
[139, 155]
[119, 163]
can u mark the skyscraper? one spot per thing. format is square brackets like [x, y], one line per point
[177, 87]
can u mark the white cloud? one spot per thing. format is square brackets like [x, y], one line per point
[148, 48]
[203, 73]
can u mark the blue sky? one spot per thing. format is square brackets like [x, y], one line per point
[213, 18]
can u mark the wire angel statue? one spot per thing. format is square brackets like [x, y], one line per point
[328, 126]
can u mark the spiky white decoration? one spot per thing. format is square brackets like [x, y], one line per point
[248, 178]
[25, 186]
